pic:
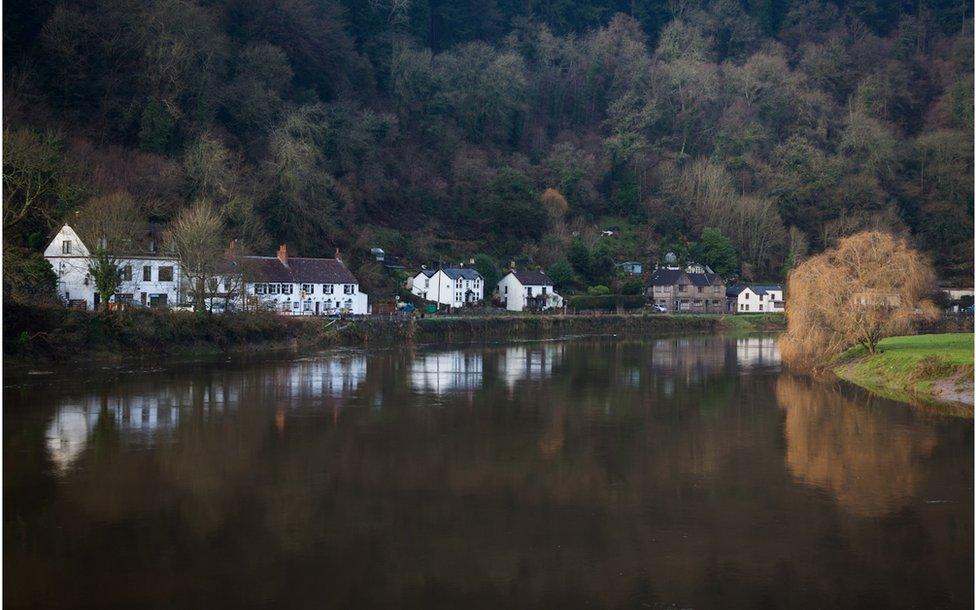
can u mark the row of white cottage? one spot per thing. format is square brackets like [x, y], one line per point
[288, 285]
[462, 286]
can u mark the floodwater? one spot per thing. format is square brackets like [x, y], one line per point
[597, 472]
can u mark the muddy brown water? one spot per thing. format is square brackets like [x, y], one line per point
[678, 472]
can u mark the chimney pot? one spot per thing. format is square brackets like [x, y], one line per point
[283, 254]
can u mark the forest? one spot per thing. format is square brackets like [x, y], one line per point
[556, 134]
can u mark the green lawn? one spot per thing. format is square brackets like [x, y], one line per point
[909, 367]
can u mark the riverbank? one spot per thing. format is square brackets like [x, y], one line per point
[52, 334]
[928, 369]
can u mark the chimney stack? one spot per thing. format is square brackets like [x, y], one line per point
[337, 254]
[283, 254]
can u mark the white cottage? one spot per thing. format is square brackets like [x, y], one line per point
[453, 286]
[147, 278]
[302, 286]
[755, 298]
[527, 291]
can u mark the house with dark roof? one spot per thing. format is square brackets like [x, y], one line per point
[293, 285]
[680, 290]
[530, 290]
[451, 286]
[754, 298]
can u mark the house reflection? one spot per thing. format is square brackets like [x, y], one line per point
[447, 372]
[529, 362]
[756, 351]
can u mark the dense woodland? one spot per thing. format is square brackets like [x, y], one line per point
[744, 133]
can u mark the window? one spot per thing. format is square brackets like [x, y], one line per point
[457, 296]
[165, 274]
[427, 282]
[328, 288]
[286, 288]
[66, 247]
[146, 273]
[308, 288]
[260, 288]
[543, 290]
[294, 305]
[459, 283]
[274, 288]
[747, 296]
[127, 273]
[528, 291]
[348, 288]
[506, 289]
[699, 289]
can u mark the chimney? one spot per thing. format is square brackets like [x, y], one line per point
[283, 254]
[337, 254]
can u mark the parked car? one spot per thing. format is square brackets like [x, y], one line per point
[659, 308]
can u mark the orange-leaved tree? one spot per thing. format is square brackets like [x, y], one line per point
[870, 286]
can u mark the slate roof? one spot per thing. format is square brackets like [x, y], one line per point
[461, 272]
[299, 270]
[704, 279]
[532, 278]
[427, 272]
[665, 277]
[760, 289]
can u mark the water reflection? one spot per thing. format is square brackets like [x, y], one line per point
[870, 465]
[601, 473]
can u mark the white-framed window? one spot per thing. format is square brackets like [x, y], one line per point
[66, 247]
[426, 282]
[308, 288]
[328, 288]
[274, 288]
[286, 288]
[348, 288]
[260, 288]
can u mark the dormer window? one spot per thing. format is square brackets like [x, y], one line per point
[66, 247]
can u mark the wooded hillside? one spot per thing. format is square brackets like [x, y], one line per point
[432, 128]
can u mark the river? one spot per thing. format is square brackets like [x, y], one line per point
[600, 472]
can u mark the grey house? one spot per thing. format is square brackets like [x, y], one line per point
[678, 291]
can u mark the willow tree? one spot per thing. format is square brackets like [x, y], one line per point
[867, 288]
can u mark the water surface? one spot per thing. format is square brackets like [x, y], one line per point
[599, 473]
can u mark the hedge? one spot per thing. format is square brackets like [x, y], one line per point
[606, 302]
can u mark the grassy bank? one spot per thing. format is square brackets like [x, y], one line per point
[930, 369]
[34, 334]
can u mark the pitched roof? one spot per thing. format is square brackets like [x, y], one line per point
[532, 278]
[704, 279]
[664, 276]
[764, 288]
[300, 270]
[461, 272]
[734, 291]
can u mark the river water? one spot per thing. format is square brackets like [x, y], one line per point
[595, 472]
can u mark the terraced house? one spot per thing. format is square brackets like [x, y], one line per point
[679, 290]
[295, 285]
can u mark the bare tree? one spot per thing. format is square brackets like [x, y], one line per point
[867, 288]
[195, 238]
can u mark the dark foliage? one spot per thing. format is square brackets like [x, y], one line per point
[341, 123]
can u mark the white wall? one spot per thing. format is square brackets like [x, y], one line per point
[338, 301]
[440, 288]
[515, 295]
[750, 302]
[75, 283]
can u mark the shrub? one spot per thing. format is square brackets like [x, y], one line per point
[606, 302]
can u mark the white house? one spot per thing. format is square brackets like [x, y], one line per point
[755, 298]
[301, 286]
[147, 278]
[528, 291]
[453, 286]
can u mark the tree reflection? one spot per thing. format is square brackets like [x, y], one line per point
[857, 453]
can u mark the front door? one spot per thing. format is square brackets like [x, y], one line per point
[316, 308]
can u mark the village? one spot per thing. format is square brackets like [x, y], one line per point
[315, 286]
